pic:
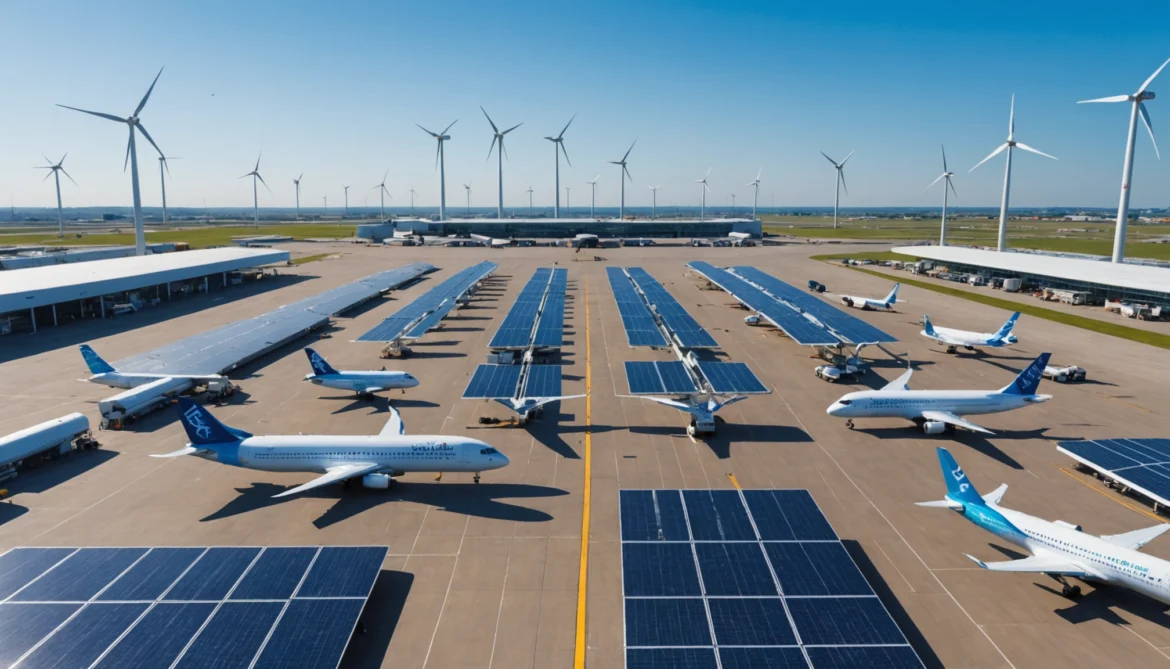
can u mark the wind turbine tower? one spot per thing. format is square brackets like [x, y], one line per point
[733, 204]
[164, 168]
[946, 174]
[255, 174]
[1139, 108]
[568, 202]
[441, 163]
[413, 192]
[132, 156]
[382, 193]
[346, 189]
[654, 201]
[467, 187]
[498, 139]
[529, 191]
[55, 170]
[297, 183]
[558, 149]
[1007, 174]
[840, 182]
[703, 206]
[625, 173]
[593, 196]
[756, 196]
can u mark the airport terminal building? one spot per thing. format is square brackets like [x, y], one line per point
[562, 228]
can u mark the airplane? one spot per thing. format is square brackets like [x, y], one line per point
[1059, 549]
[938, 411]
[970, 340]
[866, 303]
[104, 374]
[493, 242]
[372, 459]
[365, 384]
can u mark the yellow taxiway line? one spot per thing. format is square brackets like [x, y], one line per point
[583, 576]
[734, 482]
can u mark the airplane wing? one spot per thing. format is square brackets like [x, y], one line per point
[900, 383]
[394, 425]
[333, 475]
[1040, 564]
[370, 390]
[948, 417]
[1137, 538]
[189, 450]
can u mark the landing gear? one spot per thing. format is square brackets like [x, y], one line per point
[347, 484]
[476, 477]
[1067, 589]
[951, 349]
[849, 423]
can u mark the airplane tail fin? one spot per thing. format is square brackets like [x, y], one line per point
[202, 428]
[1006, 328]
[1029, 379]
[320, 366]
[926, 325]
[959, 488]
[94, 361]
[892, 298]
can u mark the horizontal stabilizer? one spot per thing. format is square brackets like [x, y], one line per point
[334, 475]
[1137, 538]
[1038, 564]
[189, 450]
[994, 496]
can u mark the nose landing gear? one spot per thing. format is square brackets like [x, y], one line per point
[1067, 589]
[849, 423]
[476, 477]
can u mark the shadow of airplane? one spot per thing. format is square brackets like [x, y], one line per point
[975, 441]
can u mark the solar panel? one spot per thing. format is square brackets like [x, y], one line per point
[753, 578]
[222, 349]
[1140, 464]
[543, 381]
[124, 607]
[852, 329]
[685, 328]
[493, 382]
[550, 329]
[731, 377]
[659, 378]
[542, 299]
[641, 329]
[424, 312]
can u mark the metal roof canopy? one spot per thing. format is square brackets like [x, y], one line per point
[423, 313]
[1115, 275]
[41, 286]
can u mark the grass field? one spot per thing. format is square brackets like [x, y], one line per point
[198, 238]
[875, 256]
[308, 259]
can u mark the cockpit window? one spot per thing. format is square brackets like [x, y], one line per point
[488, 451]
[845, 403]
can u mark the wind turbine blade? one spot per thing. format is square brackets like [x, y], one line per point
[992, 155]
[150, 139]
[489, 118]
[263, 182]
[1012, 119]
[940, 178]
[426, 131]
[760, 173]
[952, 185]
[566, 152]
[438, 149]
[244, 176]
[1039, 153]
[1145, 119]
[626, 172]
[944, 152]
[47, 174]
[707, 174]
[384, 175]
[300, 177]
[86, 111]
[138, 109]
[258, 157]
[628, 151]
[449, 127]
[829, 159]
[566, 127]
[491, 148]
[67, 174]
[127, 159]
[166, 164]
[843, 184]
[1153, 76]
[512, 128]
[848, 157]
[502, 147]
[50, 163]
[1111, 98]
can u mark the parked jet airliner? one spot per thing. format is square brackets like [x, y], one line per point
[364, 384]
[937, 411]
[104, 373]
[1059, 549]
[971, 340]
[339, 458]
[868, 303]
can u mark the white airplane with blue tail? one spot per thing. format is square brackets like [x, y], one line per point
[372, 459]
[1059, 549]
[938, 411]
[971, 340]
[104, 374]
[868, 303]
[365, 384]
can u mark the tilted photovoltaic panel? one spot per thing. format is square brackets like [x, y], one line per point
[853, 329]
[688, 331]
[731, 377]
[543, 381]
[795, 325]
[659, 378]
[1141, 464]
[746, 578]
[425, 311]
[641, 330]
[222, 349]
[493, 382]
[535, 318]
[128, 607]
[550, 329]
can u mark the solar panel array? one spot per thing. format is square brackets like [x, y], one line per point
[685, 328]
[222, 349]
[659, 378]
[751, 578]
[520, 328]
[503, 382]
[731, 377]
[641, 329]
[425, 312]
[543, 381]
[184, 607]
[1141, 464]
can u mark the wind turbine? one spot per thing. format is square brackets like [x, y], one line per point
[255, 174]
[441, 162]
[467, 187]
[162, 163]
[529, 191]
[733, 204]
[382, 193]
[756, 196]
[1139, 107]
[703, 206]
[297, 183]
[413, 192]
[654, 200]
[559, 143]
[625, 173]
[346, 188]
[840, 182]
[593, 197]
[1007, 174]
[498, 139]
[54, 170]
[325, 206]
[946, 174]
[132, 156]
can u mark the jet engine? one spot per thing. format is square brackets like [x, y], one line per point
[934, 427]
[376, 481]
[847, 301]
[1068, 525]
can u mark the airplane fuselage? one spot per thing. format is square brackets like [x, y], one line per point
[359, 382]
[969, 339]
[127, 380]
[318, 453]
[864, 303]
[910, 404]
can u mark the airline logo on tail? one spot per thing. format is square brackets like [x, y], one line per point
[1029, 380]
[960, 478]
[194, 418]
[892, 298]
[94, 361]
[318, 363]
[1006, 329]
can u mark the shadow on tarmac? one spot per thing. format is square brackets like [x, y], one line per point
[380, 619]
[903, 619]
[52, 474]
[728, 433]
[975, 441]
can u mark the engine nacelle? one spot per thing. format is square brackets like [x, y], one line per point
[1068, 525]
[934, 427]
[376, 481]
[847, 301]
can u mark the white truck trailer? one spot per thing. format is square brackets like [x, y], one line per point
[46, 441]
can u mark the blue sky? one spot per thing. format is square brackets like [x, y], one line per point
[334, 90]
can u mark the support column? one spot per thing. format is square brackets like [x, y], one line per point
[205, 287]
[33, 314]
[54, 315]
[102, 302]
[168, 291]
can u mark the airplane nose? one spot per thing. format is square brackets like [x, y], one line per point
[833, 409]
